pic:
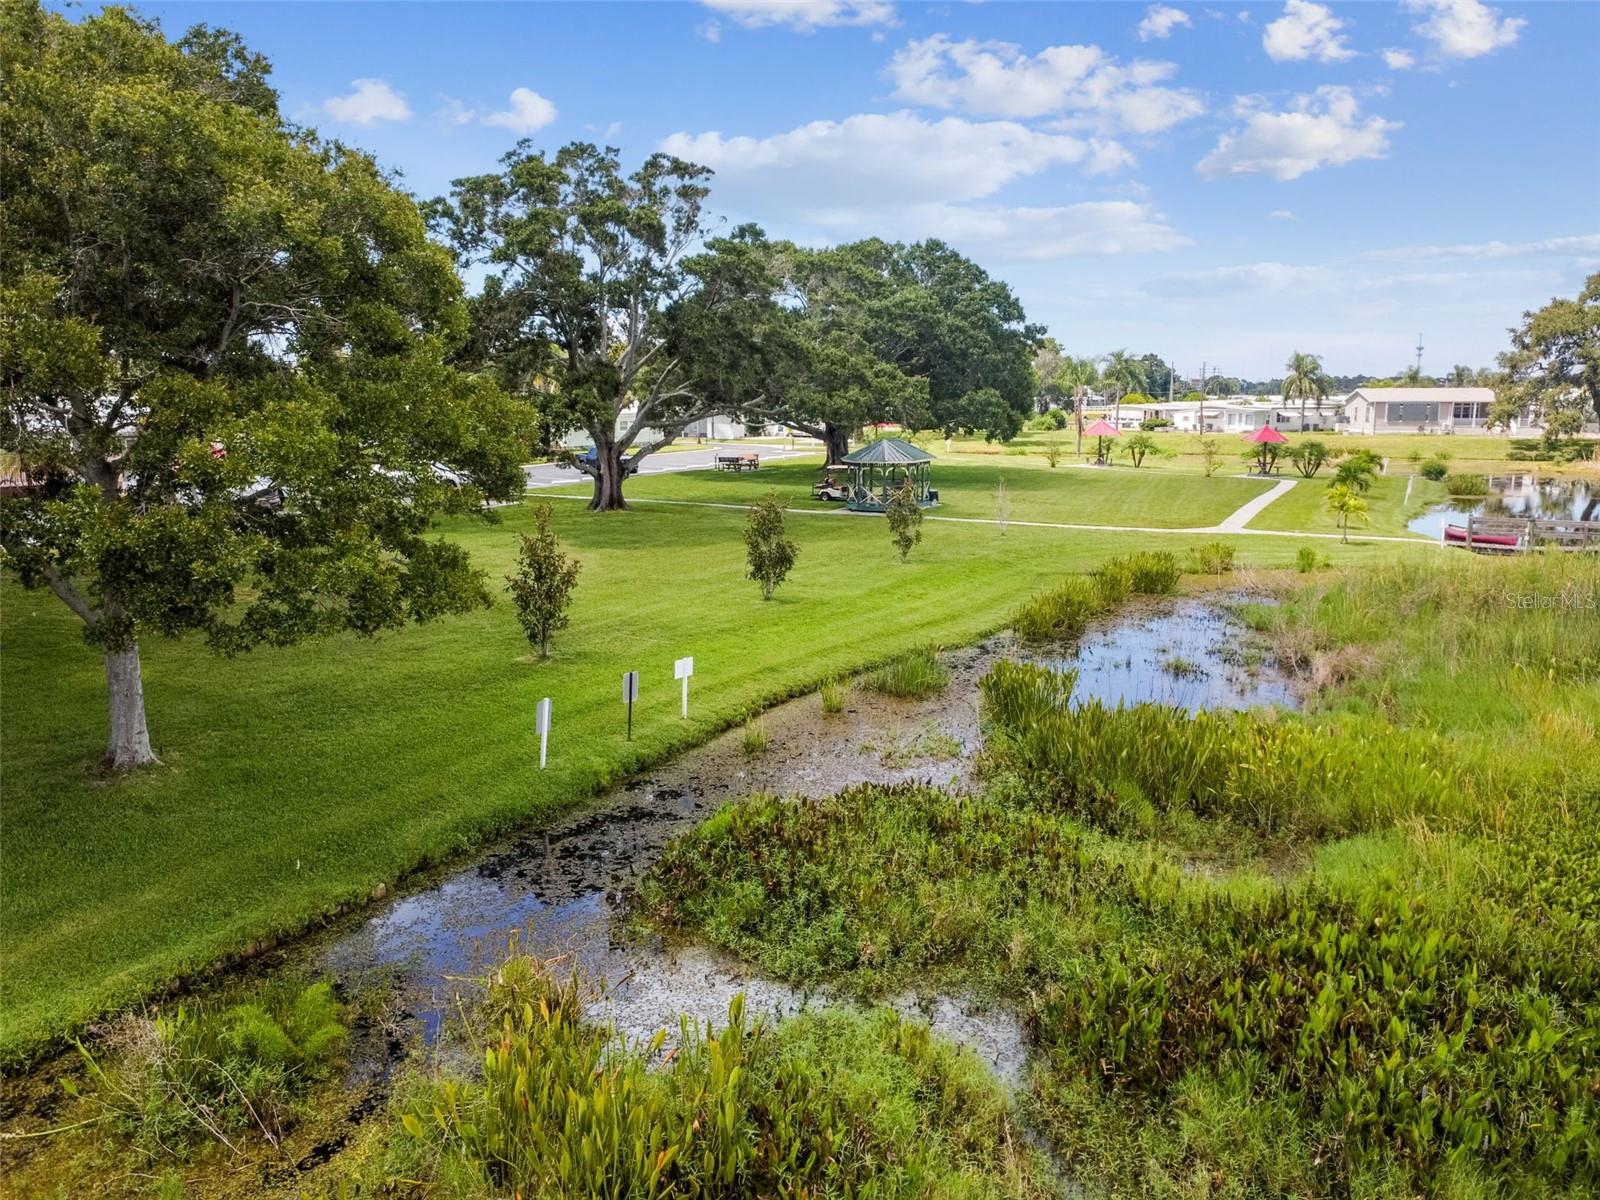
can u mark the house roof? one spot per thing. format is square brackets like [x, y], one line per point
[1452, 395]
[887, 450]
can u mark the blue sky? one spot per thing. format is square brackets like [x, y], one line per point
[1221, 182]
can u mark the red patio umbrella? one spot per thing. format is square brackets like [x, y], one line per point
[1264, 437]
[1101, 430]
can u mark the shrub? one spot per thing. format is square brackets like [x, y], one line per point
[912, 675]
[1052, 454]
[1460, 484]
[834, 693]
[1435, 469]
[1150, 424]
[541, 587]
[1308, 559]
[1049, 420]
[1213, 558]
[771, 555]
[904, 515]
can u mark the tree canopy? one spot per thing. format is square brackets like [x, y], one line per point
[1553, 365]
[225, 358]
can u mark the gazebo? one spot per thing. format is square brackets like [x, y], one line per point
[878, 468]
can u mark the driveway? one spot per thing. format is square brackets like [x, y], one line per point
[545, 475]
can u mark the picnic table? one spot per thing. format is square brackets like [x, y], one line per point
[737, 462]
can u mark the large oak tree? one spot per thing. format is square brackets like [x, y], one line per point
[225, 354]
[916, 334]
[603, 299]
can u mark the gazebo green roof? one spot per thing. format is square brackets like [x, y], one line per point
[887, 451]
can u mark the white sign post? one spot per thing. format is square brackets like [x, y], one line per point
[542, 721]
[682, 669]
[630, 693]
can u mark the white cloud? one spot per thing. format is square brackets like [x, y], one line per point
[1324, 129]
[529, 111]
[1306, 30]
[371, 101]
[454, 112]
[1399, 60]
[888, 158]
[1280, 214]
[998, 79]
[1091, 229]
[1464, 28]
[1583, 243]
[1160, 20]
[803, 16]
[710, 31]
[903, 175]
[1250, 277]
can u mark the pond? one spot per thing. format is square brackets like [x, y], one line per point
[562, 890]
[1516, 496]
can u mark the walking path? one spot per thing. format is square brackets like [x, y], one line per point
[1225, 527]
[1236, 521]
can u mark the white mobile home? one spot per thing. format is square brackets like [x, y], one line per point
[1418, 410]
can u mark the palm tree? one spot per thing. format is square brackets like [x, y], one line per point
[1345, 502]
[1303, 377]
[1077, 375]
[1462, 375]
[1124, 373]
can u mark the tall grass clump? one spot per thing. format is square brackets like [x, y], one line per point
[1486, 643]
[1459, 484]
[827, 1103]
[217, 1073]
[1272, 776]
[913, 675]
[834, 694]
[1149, 573]
[1062, 613]
[754, 738]
[1212, 558]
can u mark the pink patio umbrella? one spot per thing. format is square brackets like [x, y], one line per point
[1264, 437]
[1101, 430]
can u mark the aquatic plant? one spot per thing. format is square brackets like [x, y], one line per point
[913, 675]
[865, 1104]
[754, 739]
[834, 694]
[209, 1072]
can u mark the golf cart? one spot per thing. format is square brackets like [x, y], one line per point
[829, 487]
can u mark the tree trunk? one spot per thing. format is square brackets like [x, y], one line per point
[129, 745]
[607, 477]
[836, 441]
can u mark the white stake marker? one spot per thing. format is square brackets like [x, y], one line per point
[542, 720]
[681, 669]
[630, 693]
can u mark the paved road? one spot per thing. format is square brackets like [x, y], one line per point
[699, 459]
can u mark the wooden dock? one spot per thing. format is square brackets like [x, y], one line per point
[1512, 535]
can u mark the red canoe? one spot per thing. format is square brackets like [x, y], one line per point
[1458, 533]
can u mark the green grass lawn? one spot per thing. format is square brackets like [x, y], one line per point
[1388, 509]
[967, 483]
[296, 780]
